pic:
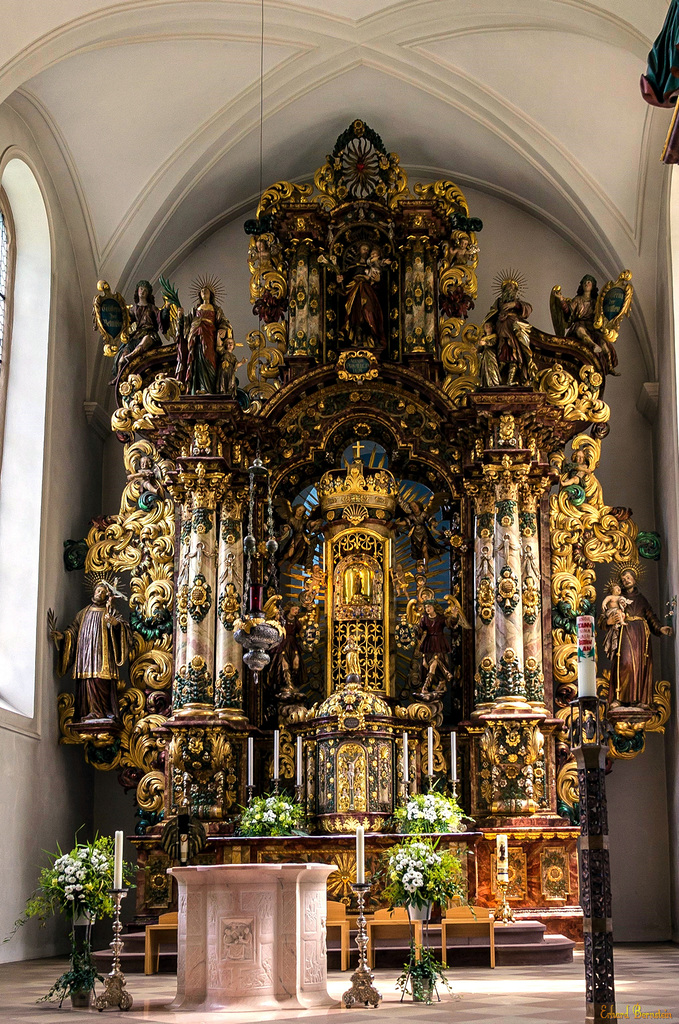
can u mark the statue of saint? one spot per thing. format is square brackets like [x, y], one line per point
[631, 658]
[95, 645]
[227, 382]
[352, 650]
[508, 317]
[287, 670]
[434, 645]
[200, 334]
[575, 318]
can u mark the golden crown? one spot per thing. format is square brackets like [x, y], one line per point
[353, 492]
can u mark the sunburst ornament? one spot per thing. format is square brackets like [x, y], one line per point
[631, 565]
[509, 276]
[105, 577]
[208, 281]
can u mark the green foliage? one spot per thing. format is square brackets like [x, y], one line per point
[80, 977]
[272, 816]
[418, 874]
[422, 973]
[430, 812]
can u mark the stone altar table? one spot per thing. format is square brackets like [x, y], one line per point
[251, 936]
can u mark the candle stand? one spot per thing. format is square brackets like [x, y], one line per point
[589, 745]
[249, 793]
[115, 993]
[275, 786]
[299, 793]
[362, 989]
[505, 913]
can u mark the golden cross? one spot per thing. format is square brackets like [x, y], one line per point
[357, 450]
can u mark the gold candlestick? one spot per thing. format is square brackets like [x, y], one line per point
[115, 993]
[362, 989]
[505, 914]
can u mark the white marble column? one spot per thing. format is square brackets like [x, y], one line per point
[509, 619]
[484, 596]
[229, 654]
[531, 587]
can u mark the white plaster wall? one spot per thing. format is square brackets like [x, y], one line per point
[512, 238]
[46, 791]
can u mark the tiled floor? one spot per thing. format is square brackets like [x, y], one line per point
[645, 976]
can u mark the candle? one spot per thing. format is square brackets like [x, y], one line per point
[586, 656]
[502, 852]
[251, 761]
[183, 848]
[276, 752]
[118, 861]
[430, 751]
[406, 766]
[299, 761]
[453, 756]
[360, 855]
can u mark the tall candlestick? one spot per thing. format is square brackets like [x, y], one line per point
[586, 656]
[453, 756]
[251, 761]
[430, 751]
[298, 764]
[118, 861]
[360, 855]
[276, 753]
[406, 765]
[502, 853]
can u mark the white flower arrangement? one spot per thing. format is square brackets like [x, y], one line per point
[272, 816]
[418, 874]
[430, 812]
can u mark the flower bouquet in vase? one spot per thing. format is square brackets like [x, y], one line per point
[77, 884]
[429, 812]
[275, 815]
[420, 875]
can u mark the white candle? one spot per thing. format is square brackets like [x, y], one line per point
[276, 753]
[406, 765]
[299, 761]
[360, 855]
[118, 861]
[430, 751]
[586, 656]
[251, 761]
[183, 849]
[453, 756]
[502, 853]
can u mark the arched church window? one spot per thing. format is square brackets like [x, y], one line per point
[25, 289]
[7, 254]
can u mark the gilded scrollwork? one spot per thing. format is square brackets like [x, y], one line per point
[143, 406]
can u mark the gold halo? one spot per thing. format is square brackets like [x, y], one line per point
[507, 276]
[210, 281]
[95, 577]
[631, 565]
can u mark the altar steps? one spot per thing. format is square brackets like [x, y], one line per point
[520, 944]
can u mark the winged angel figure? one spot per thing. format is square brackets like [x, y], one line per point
[297, 542]
[419, 522]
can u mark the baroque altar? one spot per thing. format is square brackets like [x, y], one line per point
[379, 538]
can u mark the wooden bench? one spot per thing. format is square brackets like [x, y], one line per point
[337, 918]
[468, 922]
[164, 931]
[392, 923]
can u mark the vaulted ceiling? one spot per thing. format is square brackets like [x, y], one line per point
[155, 106]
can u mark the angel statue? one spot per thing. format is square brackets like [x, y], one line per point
[419, 522]
[574, 318]
[202, 335]
[434, 645]
[95, 645]
[297, 542]
[147, 323]
[508, 317]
